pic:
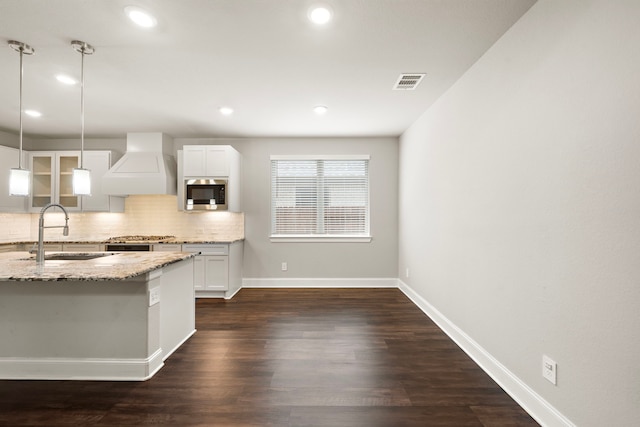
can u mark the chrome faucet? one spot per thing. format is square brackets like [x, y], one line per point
[41, 227]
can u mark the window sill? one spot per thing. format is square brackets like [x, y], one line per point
[318, 239]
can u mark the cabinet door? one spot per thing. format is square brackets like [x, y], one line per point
[66, 163]
[217, 163]
[193, 160]
[198, 273]
[52, 179]
[99, 162]
[205, 161]
[216, 272]
[42, 179]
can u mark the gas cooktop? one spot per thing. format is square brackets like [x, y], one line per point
[138, 239]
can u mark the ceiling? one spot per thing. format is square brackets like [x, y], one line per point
[263, 58]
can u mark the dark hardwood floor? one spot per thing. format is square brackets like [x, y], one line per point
[282, 357]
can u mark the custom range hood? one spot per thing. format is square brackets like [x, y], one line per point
[148, 167]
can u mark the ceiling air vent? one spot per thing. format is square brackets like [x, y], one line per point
[408, 81]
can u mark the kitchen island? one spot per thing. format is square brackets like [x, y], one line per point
[117, 316]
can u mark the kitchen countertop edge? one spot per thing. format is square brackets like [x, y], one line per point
[176, 241]
[127, 266]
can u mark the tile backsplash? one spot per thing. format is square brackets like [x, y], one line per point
[157, 215]
[15, 227]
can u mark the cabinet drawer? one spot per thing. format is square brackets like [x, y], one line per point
[8, 248]
[167, 248]
[208, 249]
[83, 247]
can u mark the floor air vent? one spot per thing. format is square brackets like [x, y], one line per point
[408, 81]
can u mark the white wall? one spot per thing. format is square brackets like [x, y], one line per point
[520, 206]
[262, 258]
[117, 146]
[11, 140]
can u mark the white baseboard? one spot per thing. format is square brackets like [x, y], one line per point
[166, 355]
[233, 294]
[13, 368]
[320, 283]
[543, 412]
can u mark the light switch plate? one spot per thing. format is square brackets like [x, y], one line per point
[549, 369]
[154, 296]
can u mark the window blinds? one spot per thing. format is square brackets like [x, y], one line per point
[315, 197]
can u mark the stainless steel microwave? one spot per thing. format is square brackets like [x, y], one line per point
[205, 194]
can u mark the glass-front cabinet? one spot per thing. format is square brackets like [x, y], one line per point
[52, 179]
[66, 164]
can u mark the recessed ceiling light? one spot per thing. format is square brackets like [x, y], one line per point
[62, 78]
[33, 113]
[227, 111]
[320, 109]
[320, 15]
[140, 17]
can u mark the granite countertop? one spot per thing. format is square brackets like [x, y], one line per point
[20, 266]
[172, 241]
[188, 240]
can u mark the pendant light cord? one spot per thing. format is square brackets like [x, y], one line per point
[20, 108]
[84, 49]
[22, 49]
[82, 108]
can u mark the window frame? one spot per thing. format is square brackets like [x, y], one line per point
[334, 238]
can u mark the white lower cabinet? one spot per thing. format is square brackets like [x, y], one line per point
[167, 247]
[82, 247]
[62, 247]
[48, 247]
[211, 273]
[210, 266]
[215, 274]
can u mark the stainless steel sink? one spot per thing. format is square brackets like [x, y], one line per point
[76, 256]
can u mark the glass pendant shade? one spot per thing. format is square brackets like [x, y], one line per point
[19, 182]
[81, 182]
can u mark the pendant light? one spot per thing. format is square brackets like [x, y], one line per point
[81, 176]
[19, 178]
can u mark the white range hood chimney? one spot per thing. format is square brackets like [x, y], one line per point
[148, 166]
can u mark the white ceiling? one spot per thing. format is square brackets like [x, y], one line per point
[261, 57]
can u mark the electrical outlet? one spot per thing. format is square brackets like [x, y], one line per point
[154, 296]
[284, 266]
[549, 369]
[406, 274]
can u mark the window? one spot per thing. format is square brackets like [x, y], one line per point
[321, 197]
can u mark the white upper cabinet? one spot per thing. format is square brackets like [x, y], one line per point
[99, 162]
[8, 160]
[206, 160]
[211, 161]
[52, 181]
